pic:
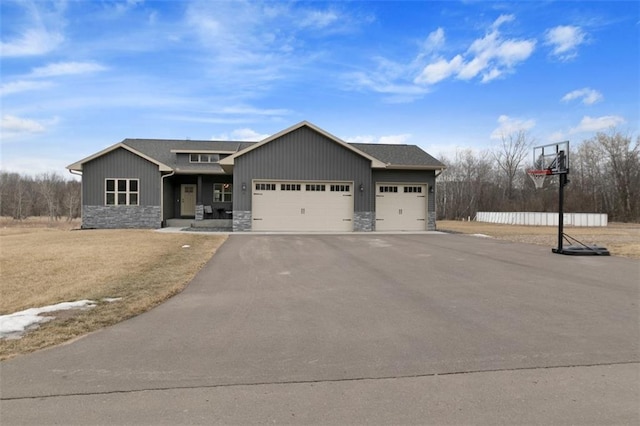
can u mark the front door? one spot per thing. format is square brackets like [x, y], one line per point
[188, 200]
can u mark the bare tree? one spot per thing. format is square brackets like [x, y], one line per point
[49, 188]
[510, 155]
[72, 199]
[622, 158]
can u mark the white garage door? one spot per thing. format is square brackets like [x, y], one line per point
[302, 206]
[401, 207]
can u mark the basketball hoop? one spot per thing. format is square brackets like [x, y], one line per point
[538, 177]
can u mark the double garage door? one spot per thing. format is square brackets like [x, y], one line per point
[302, 206]
[401, 207]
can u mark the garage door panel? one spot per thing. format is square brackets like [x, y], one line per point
[298, 206]
[401, 207]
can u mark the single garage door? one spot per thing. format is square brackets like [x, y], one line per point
[401, 207]
[302, 206]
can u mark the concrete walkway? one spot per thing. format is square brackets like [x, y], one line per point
[343, 329]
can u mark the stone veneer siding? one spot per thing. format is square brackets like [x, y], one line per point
[431, 224]
[199, 212]
[113, 217]
[241, 220]
[363, 221]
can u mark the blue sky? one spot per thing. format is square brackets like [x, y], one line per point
[78, 76]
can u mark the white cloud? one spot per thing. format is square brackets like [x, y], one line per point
[395, 139]
[37, 41]
[595, 124]
[247, 134]
[493, 56]
[12, 125]
[67, 68]
[434, 41]
[490, 56]
[389, 139]
[508, 125]
[319, 19]
[36, 30]
[502, 19]
[589, 96]
[382, 82]
[564, 40]
[22, 86]
[439, 70]
[243, 134]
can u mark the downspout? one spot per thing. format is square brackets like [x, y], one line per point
[162, 195]
[77, 173]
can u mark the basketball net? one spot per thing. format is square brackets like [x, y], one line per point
[538, 177]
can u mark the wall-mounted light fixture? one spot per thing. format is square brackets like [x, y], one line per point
[431, 190]
[361, 187]
[244, 186]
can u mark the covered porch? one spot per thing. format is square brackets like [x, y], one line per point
[198, 200]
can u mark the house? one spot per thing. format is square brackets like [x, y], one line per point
[300, 179]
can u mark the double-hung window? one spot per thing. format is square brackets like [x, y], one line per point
[222, 192]
[204, 158]
[122, 192]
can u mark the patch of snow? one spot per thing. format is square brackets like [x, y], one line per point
[186, 246]
[482, 235]
[13, 325]
[111, 299]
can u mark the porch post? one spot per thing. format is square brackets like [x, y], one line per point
[199, 206]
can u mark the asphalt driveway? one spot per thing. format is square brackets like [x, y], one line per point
[283, 324]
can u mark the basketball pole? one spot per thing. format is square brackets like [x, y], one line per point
[562, 178]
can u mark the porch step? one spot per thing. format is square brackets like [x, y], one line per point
[179, 223]
[213, 223]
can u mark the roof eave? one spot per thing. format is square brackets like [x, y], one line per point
[413, 167]
[201, 151]
[77, 166]
[199, 172]
[375, 163]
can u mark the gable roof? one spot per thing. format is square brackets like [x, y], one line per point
[166, 150]
[162, 152]
[375, 163]
[400, 156]
[77, 166]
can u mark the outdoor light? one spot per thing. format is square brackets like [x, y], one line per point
[361, 187]
[431, 190]
[244, 186]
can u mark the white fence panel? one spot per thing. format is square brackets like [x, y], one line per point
[543, 219]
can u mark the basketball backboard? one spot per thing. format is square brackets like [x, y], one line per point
[553, 157]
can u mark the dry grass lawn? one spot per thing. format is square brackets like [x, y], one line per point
[44, 265]
[622, 239]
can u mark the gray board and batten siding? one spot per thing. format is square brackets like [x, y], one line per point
[302, 155]
[413, 176]
[120, 164]
[298, 154]
[409, 176]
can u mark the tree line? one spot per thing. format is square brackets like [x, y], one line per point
[604, 178]
[48, 194]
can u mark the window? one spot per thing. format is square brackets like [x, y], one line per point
[121, 192]
[340, 188]
[222, 192]
[265, 186]
[289, 187]
[388, 189]
[413, 189]
[315, 187]
[204, 158]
